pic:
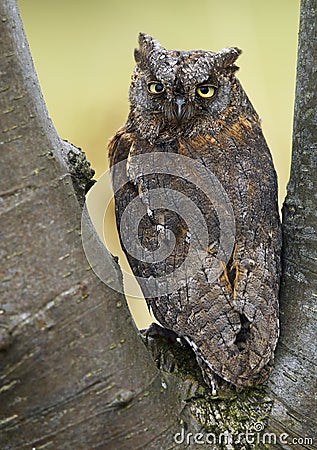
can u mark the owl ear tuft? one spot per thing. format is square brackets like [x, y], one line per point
[226, 57]
[137, 55]
[147, 46]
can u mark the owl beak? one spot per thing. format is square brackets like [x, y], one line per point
[180, 101]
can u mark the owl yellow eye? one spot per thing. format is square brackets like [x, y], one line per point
[155, 87]
[206, 90]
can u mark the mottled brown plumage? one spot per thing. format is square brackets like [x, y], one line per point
[191, 104]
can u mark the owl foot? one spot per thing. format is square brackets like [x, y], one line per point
[155, 330]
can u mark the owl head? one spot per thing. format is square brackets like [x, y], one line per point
[183, 92]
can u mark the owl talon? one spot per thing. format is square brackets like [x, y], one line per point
[155, 330]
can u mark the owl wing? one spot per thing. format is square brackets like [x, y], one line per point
[242, 305]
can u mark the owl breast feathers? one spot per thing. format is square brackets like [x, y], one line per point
[200, 224]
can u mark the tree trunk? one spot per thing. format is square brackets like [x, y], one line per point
[292, 383]
[74, 372]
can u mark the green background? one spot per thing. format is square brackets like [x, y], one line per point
[83, 54]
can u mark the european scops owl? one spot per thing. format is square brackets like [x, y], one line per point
[196, 208]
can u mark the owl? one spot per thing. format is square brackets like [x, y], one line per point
[189, 108]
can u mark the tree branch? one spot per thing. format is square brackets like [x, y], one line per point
[74, 373]
[293, 379]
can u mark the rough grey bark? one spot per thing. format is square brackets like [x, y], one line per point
[294, 377]
[73, 371]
